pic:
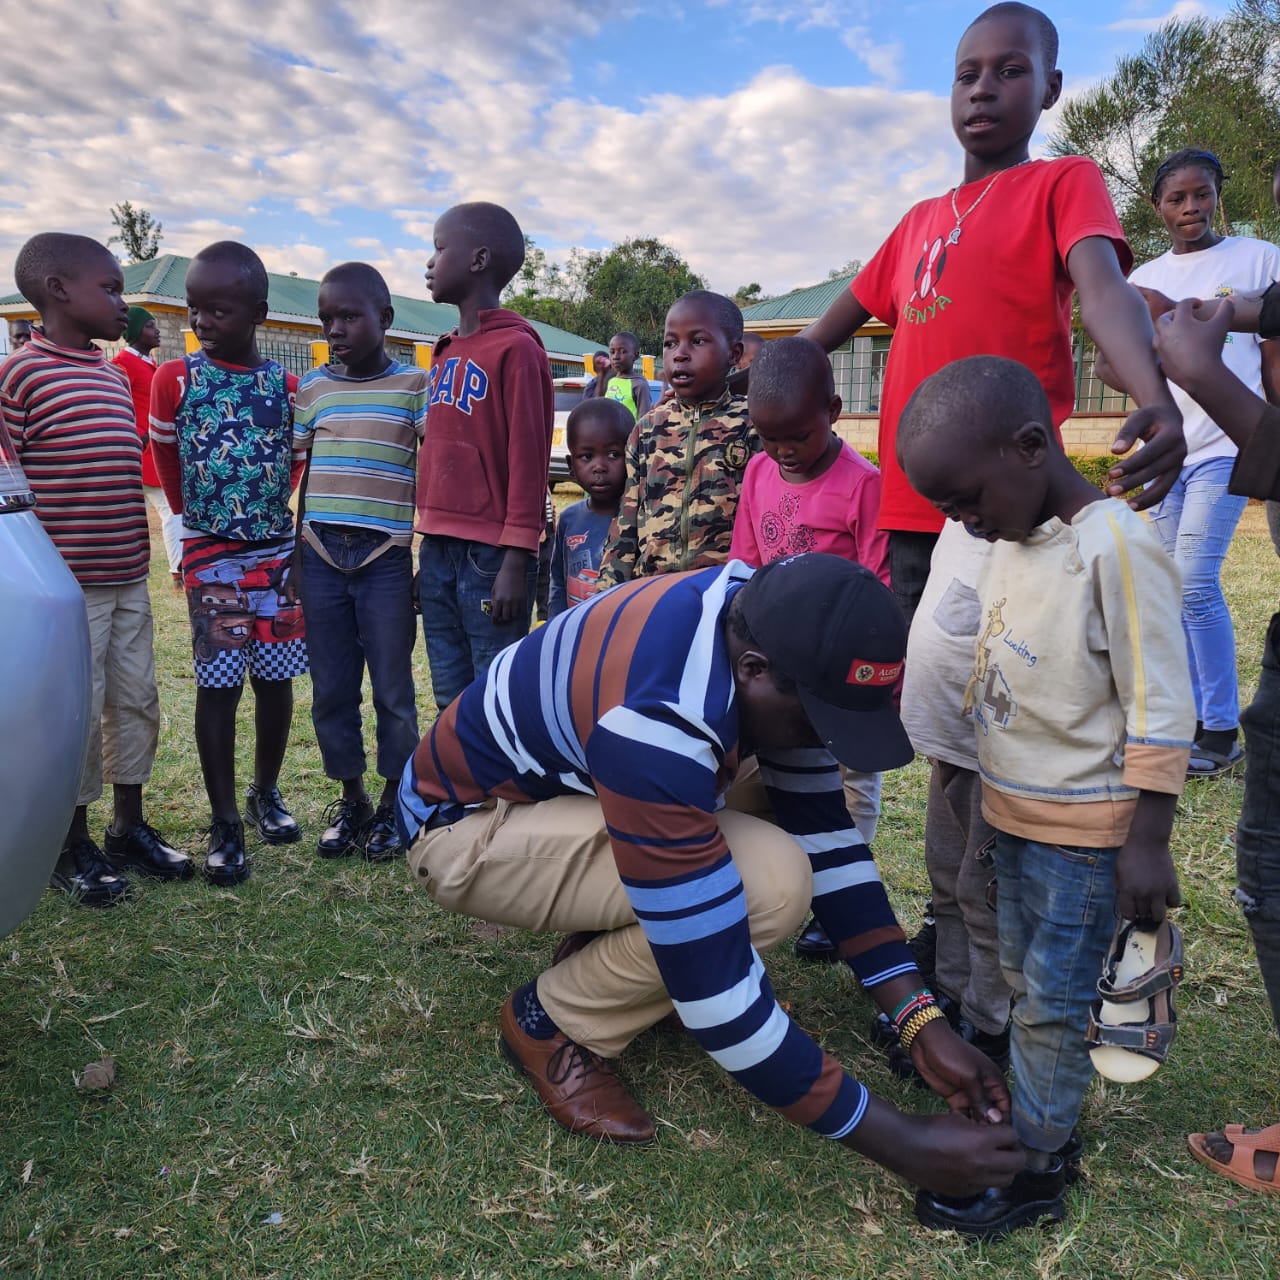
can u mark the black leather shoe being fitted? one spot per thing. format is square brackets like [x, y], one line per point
[382, 840]
[1032, 1197]
[814, 945]
[143, 848]
[265, 809]
[345, 820]
[84, 875]
[226, 863]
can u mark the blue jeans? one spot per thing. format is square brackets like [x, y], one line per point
[455, 578]
[1195, 522]
[1258, 834]
[1056, 911]
[361, 616]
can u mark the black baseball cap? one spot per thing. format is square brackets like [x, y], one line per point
[831, 626]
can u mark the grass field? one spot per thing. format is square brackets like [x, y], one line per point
[308, 1082]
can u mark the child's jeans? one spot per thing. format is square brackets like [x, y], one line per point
[455, 579]
[1258, 835]
[360, 613]
[1056, 911]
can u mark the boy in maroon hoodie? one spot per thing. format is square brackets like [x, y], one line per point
[482, 469]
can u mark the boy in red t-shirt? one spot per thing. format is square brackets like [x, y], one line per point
[989, 268]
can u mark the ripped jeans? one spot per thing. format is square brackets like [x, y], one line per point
[1258, 833]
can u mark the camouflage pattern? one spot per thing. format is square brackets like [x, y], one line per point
[685, 464]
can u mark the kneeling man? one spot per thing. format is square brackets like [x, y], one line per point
[579, 786]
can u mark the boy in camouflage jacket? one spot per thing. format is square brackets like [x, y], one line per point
[685, 458]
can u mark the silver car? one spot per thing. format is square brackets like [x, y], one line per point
[44, 696]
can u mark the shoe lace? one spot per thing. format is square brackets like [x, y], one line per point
[87, 858]
[225, 829]
[343, 810]
[571, 1060]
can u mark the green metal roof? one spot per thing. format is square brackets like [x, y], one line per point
[799, 304]
[295, 297]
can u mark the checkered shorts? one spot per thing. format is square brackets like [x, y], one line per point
[241, 617]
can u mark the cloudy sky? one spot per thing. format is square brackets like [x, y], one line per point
[767, 140]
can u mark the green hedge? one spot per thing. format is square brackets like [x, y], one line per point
[1093, 469]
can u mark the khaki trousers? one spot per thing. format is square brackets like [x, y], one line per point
[549, 867]
[124, 714]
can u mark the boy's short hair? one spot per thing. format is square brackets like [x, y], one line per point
[494, 228]
[363, 278]
[727, 312]
[983, 399]
[629, 337]
[53, 253]
[1044, 25]
[788, 368]
[613, 415]
[253, 274]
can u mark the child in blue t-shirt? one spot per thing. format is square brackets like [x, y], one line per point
[598, 431]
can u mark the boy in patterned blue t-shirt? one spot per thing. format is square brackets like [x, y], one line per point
[597, 431]
[222, 439]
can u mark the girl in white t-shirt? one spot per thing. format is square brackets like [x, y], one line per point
[1198, 517]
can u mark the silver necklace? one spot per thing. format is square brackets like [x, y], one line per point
[954, 236]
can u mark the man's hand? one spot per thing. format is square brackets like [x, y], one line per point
[1157, 464]
[1189, 343]
[964, 1077]
[947, 1154]
[508, 600]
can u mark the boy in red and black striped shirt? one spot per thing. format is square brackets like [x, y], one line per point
[70, 415]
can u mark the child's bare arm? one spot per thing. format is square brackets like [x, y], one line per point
[841, 320]
[1117, 319]
[1146, 882]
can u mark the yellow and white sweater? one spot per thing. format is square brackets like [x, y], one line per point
[1081, 693]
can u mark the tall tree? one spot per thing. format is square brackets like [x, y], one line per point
[137, 232]
[1194, 83]
[598, 293]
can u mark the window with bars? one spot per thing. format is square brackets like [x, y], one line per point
[859, 372]
[859, 375]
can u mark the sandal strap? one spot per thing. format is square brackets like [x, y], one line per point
[1160, 977]
[1267, 1139]
[1150, 1039]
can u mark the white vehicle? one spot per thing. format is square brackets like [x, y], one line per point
[568, 397]
[44, 697]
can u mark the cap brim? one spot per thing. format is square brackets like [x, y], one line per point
[865, 741]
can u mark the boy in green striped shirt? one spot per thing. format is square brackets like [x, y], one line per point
[361, 419]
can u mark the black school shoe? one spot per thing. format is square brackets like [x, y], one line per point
[1033, 1196]
[226, 864]
[382, 840]
[143, 849]
[265, 810]
[84, 875]
[814, 945]
[345, 821]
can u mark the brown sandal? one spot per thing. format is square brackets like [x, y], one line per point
[1246, 1144]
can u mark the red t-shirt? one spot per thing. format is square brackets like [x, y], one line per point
[1002, 290]
[140, 372]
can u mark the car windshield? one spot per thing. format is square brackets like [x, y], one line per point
[568, 398]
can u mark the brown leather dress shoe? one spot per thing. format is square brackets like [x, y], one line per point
[578, 1088]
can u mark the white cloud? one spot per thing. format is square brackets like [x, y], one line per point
[209, 115]
[1181, 11]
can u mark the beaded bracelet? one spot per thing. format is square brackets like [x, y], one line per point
[921, 999]
[916, 1023]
